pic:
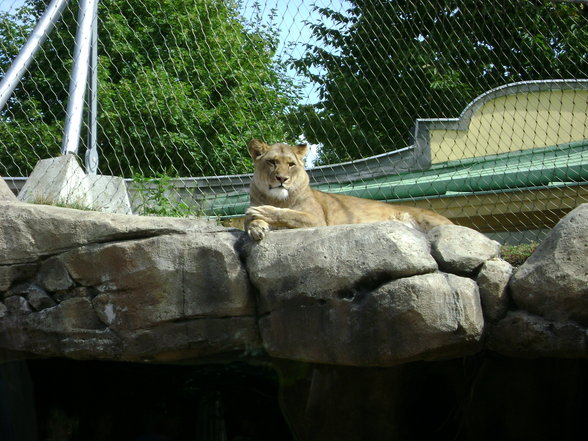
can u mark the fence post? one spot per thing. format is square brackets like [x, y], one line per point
[27, 53]
[92, 150]
[79, 78]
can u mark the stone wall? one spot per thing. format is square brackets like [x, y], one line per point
[90, 285]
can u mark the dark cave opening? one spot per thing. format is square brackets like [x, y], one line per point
[484, 398]
[99, 401]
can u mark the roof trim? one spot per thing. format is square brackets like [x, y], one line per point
[462, 123]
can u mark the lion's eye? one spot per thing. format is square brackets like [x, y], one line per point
[271, 161]
[291, 164]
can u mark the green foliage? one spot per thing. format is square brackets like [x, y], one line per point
[385, 63]
[516, 255]
[182, 86]
[156, 197]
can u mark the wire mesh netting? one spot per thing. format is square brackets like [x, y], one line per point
[477, 110]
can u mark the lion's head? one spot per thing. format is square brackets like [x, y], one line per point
[279, 168]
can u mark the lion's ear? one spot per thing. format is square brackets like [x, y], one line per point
[257, 148]
[301, 150]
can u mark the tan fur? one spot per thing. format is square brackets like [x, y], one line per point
[281, 197]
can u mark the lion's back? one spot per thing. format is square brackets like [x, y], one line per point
[343, 209]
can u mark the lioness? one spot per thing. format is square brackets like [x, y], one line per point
[281, 197]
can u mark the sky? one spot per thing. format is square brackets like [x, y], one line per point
[291, 18]
[9, 5]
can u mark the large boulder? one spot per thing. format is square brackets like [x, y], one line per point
[553, 282]
[424, 317]
[364, 295]
[92, 285]
[335, 262]
[30, 232]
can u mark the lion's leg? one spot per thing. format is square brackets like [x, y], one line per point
[407, 219]
[257, 218]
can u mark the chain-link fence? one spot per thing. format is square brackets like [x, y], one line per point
[477, 110]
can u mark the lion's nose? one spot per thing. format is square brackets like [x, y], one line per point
[281, 179]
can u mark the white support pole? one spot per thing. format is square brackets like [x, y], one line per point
[79, 78]
[24, 58]
[92, 150]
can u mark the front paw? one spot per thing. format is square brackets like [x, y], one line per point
[266, 213]
[257, 229]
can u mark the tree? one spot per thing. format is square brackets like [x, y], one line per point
[182, 86]
[384, 63]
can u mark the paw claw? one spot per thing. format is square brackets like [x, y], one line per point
[257, 232]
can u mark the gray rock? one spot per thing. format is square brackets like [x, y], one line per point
[5, 193]
[423, 317]
[14, 274]
[78, 291]
[54, 276]
[94, 344]
[17, 305]
[469, 314]
[553, 282]
[29, 232]
[3, 310]
[493, 281]
[34, 294]
[67, 317]
[39, 299]
[146, 282]
[461, 250]
[22, 289]
[334, 262]
[521, 334]
[70, 329]
[122, 280]
[193, 339]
